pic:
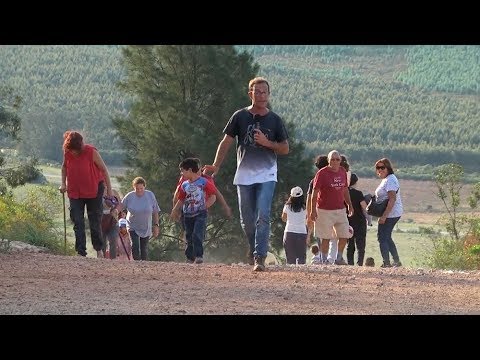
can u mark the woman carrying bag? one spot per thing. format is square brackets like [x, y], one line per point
[389, 188]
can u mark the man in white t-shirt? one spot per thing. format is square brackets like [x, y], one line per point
[261, 135]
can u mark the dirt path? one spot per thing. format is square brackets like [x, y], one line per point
[36, 283]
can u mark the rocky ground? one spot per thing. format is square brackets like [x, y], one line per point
[40, 283]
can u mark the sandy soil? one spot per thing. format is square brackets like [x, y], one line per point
[39, 283]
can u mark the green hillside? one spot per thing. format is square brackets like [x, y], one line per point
[374, 101]
[65, 87]
[419, 105]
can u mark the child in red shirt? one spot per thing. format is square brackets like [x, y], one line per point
[195, 195]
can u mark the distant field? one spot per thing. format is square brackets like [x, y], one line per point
[417, 196]
[53, 174]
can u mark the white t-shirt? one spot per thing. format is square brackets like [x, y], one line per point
[390, 183]
[296, 221]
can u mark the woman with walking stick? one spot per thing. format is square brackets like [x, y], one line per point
[84, 177]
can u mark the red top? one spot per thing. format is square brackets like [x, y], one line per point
[182, 179]
[331, 185]
[83, 175]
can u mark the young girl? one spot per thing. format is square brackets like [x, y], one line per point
[111, 207]
[124, 242]
[295, 235]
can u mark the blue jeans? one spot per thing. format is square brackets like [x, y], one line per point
[139, 246]
[384, 236]
[195, 228]
[255, 203]
[94, 214]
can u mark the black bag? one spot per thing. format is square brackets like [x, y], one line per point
[376, 208]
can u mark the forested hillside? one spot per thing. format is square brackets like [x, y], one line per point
[419, 105]
[65, 87]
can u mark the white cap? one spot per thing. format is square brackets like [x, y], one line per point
[122, 223]
[296, 191]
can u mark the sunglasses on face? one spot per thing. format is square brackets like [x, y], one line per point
[380, 168]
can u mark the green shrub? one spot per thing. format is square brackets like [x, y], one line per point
[450, 254]
[475, 250]
[31, 219]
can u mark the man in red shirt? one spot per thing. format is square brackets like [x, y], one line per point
[327, 206]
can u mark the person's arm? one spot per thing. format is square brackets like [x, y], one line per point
[156, 224]
[363, 204]
[210, 201]
[155, 218]
[175, 214]
[284, 216]
[308, 205]
[223, 203]
[281, 148]
[63, 186]
[312, 210]
[222, 151]
[175, 197]
[97, 159]
[348, 200]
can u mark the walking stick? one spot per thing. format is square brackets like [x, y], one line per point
[64, 226]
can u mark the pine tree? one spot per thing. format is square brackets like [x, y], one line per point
[182, 97]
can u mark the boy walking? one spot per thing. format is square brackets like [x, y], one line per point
[195, 195]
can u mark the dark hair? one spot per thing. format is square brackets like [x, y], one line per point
[72, 140]
[344, 163]
[321, 161]
[296, 204]
[387, 164]
[353, 179]
[190, 163]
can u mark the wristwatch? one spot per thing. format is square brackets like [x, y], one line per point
[156, 225]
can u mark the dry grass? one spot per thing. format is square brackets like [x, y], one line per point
[418, 197]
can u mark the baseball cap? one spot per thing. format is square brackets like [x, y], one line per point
[122, 223]
[296, 191]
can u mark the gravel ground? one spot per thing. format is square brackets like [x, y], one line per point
[39, 283]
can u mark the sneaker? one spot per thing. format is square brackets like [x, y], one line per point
[259, 264]
[189, 261]
[386, 265]
[397, 264]
[340, 262]
[198, 260]
[100, 254]
[250, 259]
